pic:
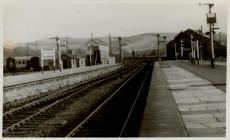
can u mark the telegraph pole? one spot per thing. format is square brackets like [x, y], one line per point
[120, 57]
[90, 51]
[120, 45]
[66, 44]
[119, 41]
[201, 44]
[158, 46]
[58, 50]
[110, 46]
[36, 43]
[27, 47]
[211, 42]
[220, 38]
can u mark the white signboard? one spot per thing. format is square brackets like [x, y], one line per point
[211, 17]
[48, 54]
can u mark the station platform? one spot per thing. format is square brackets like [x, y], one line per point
[19, 79]
[22, 92]
[182, 104]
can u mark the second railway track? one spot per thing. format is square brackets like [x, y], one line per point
[120, 114]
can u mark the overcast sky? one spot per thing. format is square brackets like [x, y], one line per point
[28, 20]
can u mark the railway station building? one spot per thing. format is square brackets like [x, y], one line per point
[98, 53]
[71, 60]
[181, 46]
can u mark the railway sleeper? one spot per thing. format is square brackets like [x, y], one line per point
[17, 133]
[25, 129]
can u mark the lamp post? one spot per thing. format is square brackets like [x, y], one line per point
[110, 45]
[66, 44]
[211, 19]
[27, 49]
[158, 44]
[36, 44]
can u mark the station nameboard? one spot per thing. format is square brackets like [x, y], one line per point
[45, 54]
[211, 18]
[48, 54]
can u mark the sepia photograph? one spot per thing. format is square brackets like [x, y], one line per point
[114, 69]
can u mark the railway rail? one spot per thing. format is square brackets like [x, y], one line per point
[28, 115]
[120, 114]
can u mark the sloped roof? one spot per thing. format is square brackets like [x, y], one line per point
[70, 55]
[189, 32]
[170, 42]
[97, 41]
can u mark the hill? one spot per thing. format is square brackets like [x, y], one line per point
[138, 43]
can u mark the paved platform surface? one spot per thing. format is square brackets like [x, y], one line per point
[161, 116]
[181, 103]
[217, 75]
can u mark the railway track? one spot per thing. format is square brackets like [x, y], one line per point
[120, 114]
[19, 121]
